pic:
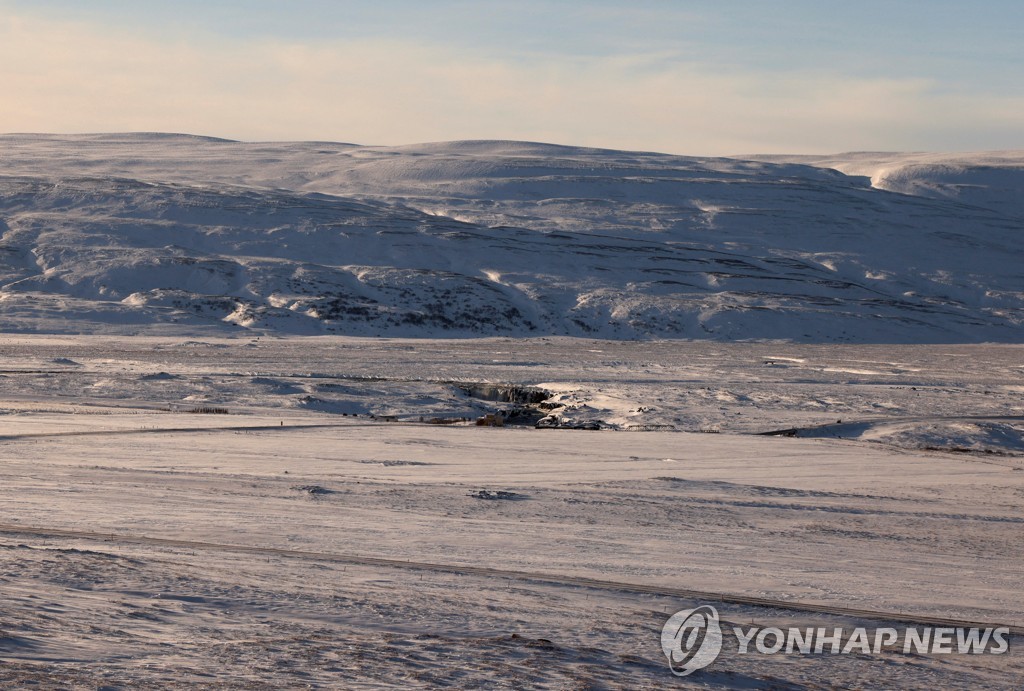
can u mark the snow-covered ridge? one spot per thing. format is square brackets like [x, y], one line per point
[989, 178]
[158, 232]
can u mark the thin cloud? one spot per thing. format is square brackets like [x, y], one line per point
[78, 77]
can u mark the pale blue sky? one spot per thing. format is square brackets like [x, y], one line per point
[696, 76]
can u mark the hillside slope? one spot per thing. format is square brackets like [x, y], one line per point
[170, 233]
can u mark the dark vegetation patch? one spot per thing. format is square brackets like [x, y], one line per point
[497, 495]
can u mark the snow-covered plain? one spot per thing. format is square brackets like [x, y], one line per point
[125, 514]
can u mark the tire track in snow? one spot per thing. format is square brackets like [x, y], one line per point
[187, 430]
[894, 420]
[509, 574]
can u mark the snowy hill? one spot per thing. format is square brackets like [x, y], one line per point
[164, 233]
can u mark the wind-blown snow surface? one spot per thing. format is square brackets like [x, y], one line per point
[284, 545]
[160, 233]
